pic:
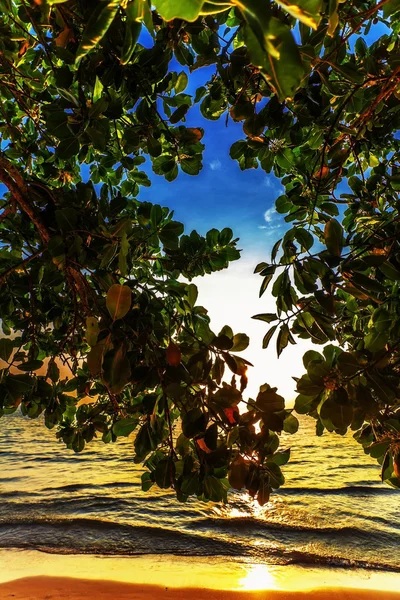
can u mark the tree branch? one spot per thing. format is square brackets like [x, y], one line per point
[13, 180]
[20, 265]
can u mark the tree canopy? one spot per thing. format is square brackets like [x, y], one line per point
[101, 330]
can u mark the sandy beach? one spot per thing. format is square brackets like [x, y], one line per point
[63, 588]
[30, 575]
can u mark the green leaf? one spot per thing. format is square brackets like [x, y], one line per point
[6, 348]
[192, 294]
[92, 330]
[382, 320]
[118, 301]
[238, 149]
[147, 481]
[96, 110]
[164, 473]
[312, 355]
[169, 235]
[213, 489]
[390, 271]
[225, 236]
[97, 26]
[116, 370]
[178, 115]
[188, 10]
[30, 365]
[190, 484]
[303, 404]
[265, 283]
[390, 8]
[333, 235]
[240, 342]
[333, 17]
[340, 415]
[156, 215]
[194, 422]
[181, 82]
[306, 11]
[282, 339]
[266, 317]
[124, 427]
[376, 340]
[306, 387]
[191, 165]
[281, 458]
[348, 364]
[71, 98]
[280, 58]
[348, 72]
[68, 148]
[291, 424]
[133, 27]
[54, 372]
[145, 443]
[215, 6]
[276, 476]
[275, 249]
[154, 146]
[97, 90]
[268, 336]
[238, 473]
[66, 219]
[254, 125]
[268, 401]
[19, 385]
[304, 238]
[223, 342]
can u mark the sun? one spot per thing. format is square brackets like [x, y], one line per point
[258, 577]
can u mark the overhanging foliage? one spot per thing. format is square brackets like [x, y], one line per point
[90, 275]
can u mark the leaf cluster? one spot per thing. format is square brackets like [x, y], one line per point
[101, 334]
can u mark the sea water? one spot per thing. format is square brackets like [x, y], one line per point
[333, 510]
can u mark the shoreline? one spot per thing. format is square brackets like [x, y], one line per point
[225, 578]
[65, 588]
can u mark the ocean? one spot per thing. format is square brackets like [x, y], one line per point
[332, 512]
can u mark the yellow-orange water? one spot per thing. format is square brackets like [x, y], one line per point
[333, 512]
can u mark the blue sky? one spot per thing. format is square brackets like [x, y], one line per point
[221, 195]
[224, 196]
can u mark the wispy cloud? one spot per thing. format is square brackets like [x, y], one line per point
[269, 183]
[273, 221]
[269, 214]
[273, 184]
[215, 165]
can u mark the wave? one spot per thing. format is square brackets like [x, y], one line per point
[354, 490]
[306, 559]
[251, 525]
[95, 536]
[105, 538]
[228, 535]
[76, 487]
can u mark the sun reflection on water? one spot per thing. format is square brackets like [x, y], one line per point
[258, 577]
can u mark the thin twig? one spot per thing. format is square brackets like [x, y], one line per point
[20, 265]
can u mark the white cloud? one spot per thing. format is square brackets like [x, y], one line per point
[215, 165]
[262, 227]
[232, 297]
[269, 214]
[268, 183]
[273, 184]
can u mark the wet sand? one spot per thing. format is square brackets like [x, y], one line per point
[64, 588]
